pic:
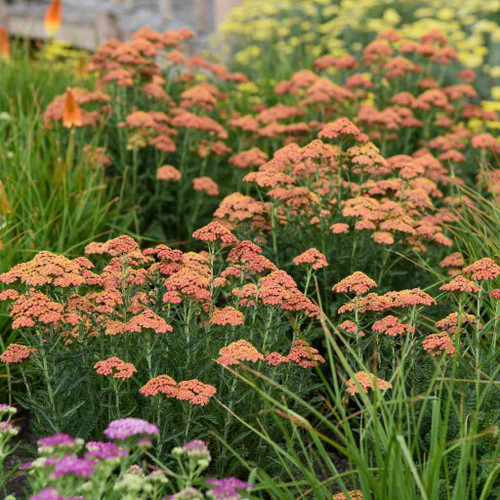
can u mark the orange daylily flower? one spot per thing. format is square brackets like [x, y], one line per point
[4, 44]
[72, 116]
[52, 23]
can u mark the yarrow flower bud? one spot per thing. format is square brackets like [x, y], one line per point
[188, 493]
[157, 476]
[198, 450]
[8, 430]
[7, 410]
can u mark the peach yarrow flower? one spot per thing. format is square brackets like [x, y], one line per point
[312, 257]
[237, 351]
[16, 353]
[193, 391]
[358, 282]
[392, 326]
[168, 173]
[213, 232]
[301, 354]
[227, 316]
[367, 381]
[116, 367]
[118, 246]
[483, 270]
[460, 284]
[206, 184]
[439, 343]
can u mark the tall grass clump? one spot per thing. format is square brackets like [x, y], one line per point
[428, 428]
[53, 196]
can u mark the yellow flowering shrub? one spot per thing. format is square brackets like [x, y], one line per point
[295, 32]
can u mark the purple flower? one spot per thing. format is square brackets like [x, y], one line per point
[226, 489]
[52, 494]
[81, 467]
[105, 451]
[128, 427]
[59, 439]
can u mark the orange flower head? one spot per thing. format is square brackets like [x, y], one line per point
[72, 115]
[304, 355]
[483, 270]
[453, 260]
[116, 367]
[366, 381]
[52, 23]
[16, 353]
[116, 247]
[460, 284]
[206, 184]
[358, 282]
[353, 495]
[4, 44]
[168, 173]
[227, 316]
[439, 343]
[241, 350]
[351, 327]
[339, 228]
[215, 232]
[392, 326]
[311, 257]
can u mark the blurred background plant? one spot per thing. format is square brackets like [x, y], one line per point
[270, 40]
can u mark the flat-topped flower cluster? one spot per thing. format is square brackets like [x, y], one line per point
[154, 328]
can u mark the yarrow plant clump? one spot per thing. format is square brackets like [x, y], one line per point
[151, 332]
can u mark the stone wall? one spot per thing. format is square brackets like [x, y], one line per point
[87, 23]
